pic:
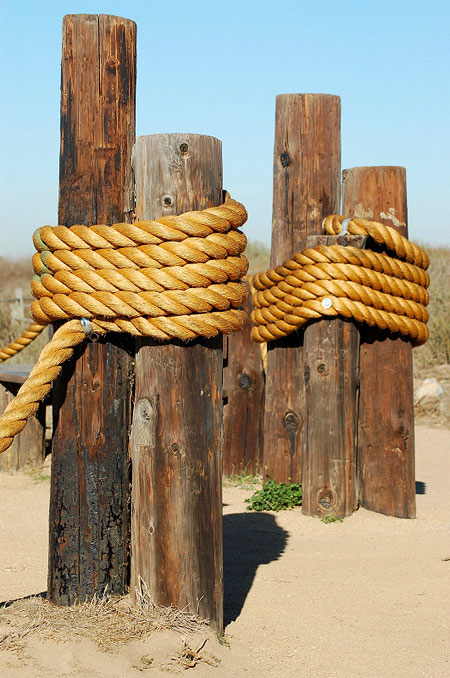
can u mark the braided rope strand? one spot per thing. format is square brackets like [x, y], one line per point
[21, 342]
[370, 287]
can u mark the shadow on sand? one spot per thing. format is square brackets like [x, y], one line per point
[421, 488]
[249, 540]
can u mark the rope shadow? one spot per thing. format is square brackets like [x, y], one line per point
[7, 603]
[249, 540]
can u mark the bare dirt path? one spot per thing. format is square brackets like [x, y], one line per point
[368, 597]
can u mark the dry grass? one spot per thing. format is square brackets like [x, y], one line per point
[258, 255]
[110, 621]
[437, 349]
[15, 273]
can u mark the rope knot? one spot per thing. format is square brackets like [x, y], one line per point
[384, 291]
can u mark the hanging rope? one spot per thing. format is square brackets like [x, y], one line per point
[388, 292]
[177, 277]
[21, 342]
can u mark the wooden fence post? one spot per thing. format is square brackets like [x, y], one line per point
[28, 448]
[89, 519]
[243, 387]
[177, 430]
[386, 419]
[306, 189]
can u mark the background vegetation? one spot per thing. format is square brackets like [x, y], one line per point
[18, 273]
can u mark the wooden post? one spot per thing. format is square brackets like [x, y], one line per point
[331, 359]
[386, 419]
[243, 386]
[177, 430]
[306, 189]
[28, 448]
[89, 521]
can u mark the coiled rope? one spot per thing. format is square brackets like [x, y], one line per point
[177, 277]
[388, 292]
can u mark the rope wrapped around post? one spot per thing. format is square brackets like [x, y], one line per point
[177, 277]
[388, 292]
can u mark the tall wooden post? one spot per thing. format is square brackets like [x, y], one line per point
[243, 384]
[177, 430]
[89, 521]
[386, 419]
[306, 189]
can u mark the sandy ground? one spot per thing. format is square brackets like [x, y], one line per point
[369, 597]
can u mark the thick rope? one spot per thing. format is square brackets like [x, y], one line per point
[177, 277]
[21, 342]
[369, 287]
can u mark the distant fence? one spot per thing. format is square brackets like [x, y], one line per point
[17, 305]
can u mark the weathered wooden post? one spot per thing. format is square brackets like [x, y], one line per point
[89, 521]
[386, 418]
[306, 189]
[331, 360]
[243, 387]
[177, 430]
[28, 448]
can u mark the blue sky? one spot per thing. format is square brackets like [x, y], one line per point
[214, 67]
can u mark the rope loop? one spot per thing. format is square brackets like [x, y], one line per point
[176, 277]
[384, 291]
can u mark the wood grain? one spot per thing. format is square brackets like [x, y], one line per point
[177, 431]
[331, 361]
[89, 514]
[306, 189]
[386, 420]
[243, 383]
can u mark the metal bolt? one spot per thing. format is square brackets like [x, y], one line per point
[245, 381]
[325, 502]
[285, 159]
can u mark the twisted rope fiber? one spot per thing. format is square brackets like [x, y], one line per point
[369, 287]
[21, 342]
[177, 277]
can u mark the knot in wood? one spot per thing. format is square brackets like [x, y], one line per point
[291, 421]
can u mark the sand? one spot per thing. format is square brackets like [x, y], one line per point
[368, 597]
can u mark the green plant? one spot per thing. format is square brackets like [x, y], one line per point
[275, 497]
[222, 640]
[332, 519]
[39, 477]
[146, 662]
